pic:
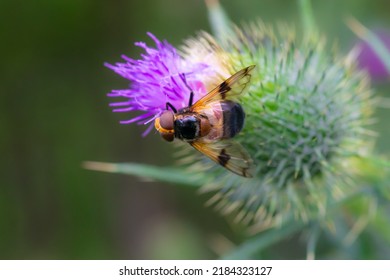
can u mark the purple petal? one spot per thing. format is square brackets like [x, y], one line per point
[370, 61]
[160, 76]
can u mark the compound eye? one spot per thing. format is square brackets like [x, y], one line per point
[167, 136]
[166, 120]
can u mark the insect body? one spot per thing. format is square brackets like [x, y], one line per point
[210, 123]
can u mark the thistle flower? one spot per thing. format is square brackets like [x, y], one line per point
[161, 75]
[370, 61]
[307, 112]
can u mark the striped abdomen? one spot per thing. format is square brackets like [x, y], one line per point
[233, 118]
[226, 119]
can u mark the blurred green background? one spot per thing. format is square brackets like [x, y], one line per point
[54, 115]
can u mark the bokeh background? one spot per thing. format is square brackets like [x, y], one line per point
[54, 116]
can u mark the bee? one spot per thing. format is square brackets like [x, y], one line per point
[209, 124]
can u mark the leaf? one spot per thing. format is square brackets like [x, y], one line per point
[161, 174]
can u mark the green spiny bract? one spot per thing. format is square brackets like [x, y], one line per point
[307, 109]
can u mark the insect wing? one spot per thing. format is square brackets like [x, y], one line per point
[233, 86]
[229, 154]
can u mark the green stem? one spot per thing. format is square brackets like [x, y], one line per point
[249, 249]
[219, 21]
[307, 18]
[312, 242]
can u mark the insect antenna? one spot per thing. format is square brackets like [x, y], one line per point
[170, 106]
[183, 77]
[191, 99]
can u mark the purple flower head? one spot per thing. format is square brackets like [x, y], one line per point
[160, 76]
[370, 61]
